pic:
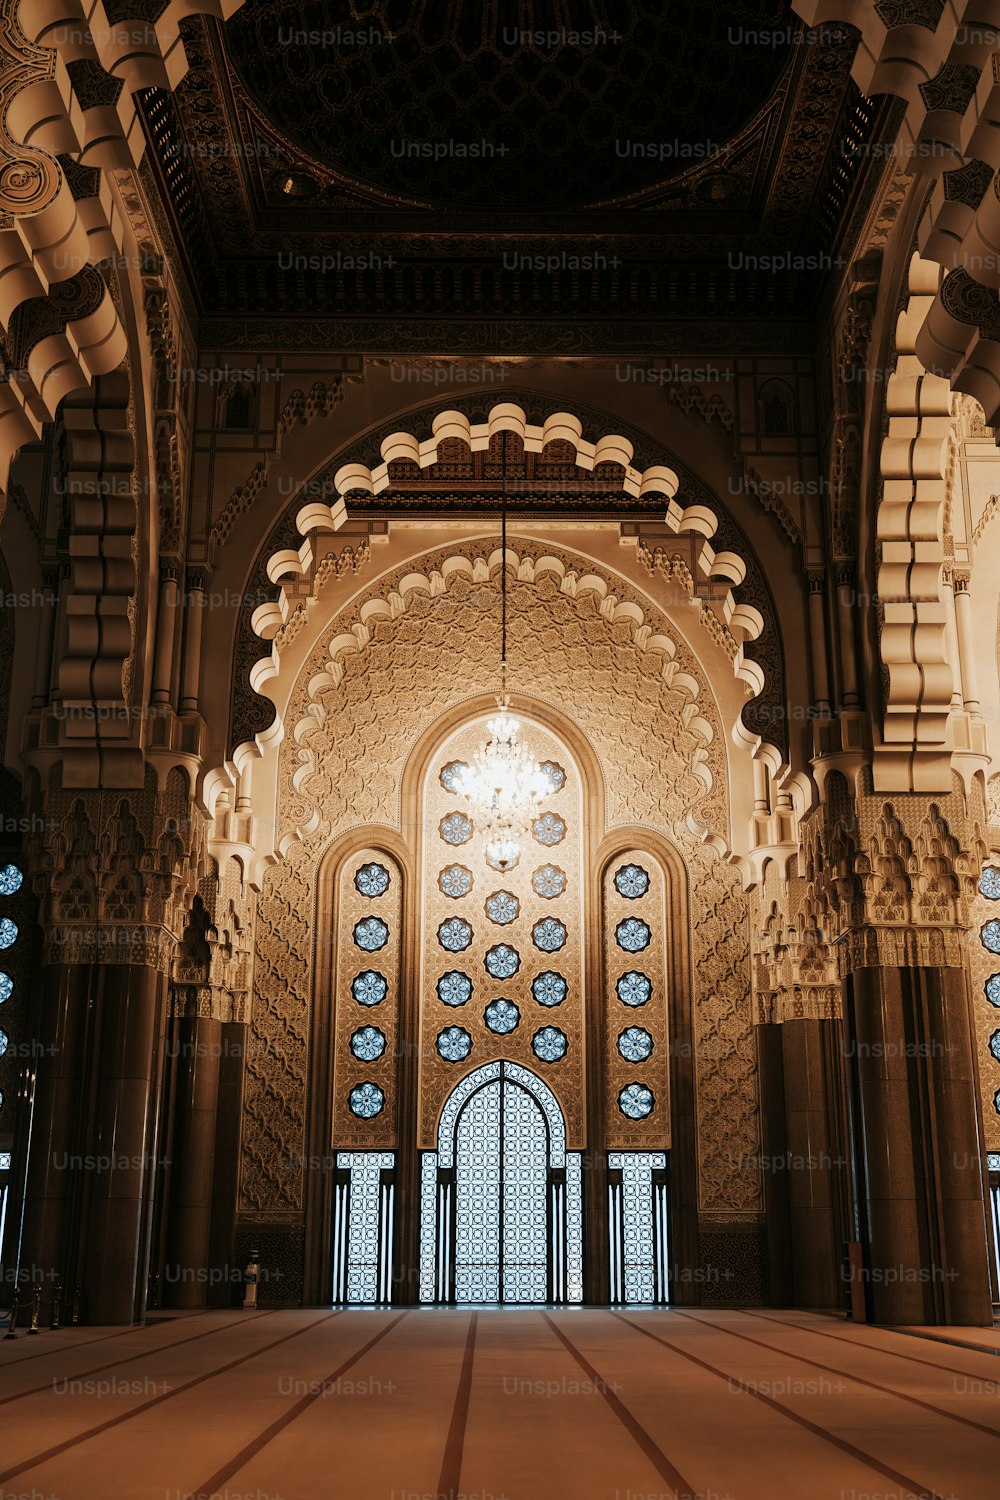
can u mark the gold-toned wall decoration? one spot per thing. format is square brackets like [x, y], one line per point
[526, 925]
[637, 1039]
[571, 661]
[367, 935]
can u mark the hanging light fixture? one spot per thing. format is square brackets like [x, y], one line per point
[504, 784]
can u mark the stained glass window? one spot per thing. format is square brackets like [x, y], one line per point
[989, 883]
[450, 773]
[369, 988]
[549, 1044]
[363, 1227]
[502, 961]
[549, 934]
[366, 1100]
[455, 828]
[555, 774]
[995, 1045]
[503, 1178]
[454, 1044]
[371, 933]
[634, 988]
[455, 880]
[11, 880]
[548, 881]
[632, 934]
[455, 988]
[991, 936]
[631, 881]
[635, 1044]
[549, 988]
[372, 879]
[996, 1101]
[368, 1043]
[8, 932]
[6, 987]
[637, 1215]
[636, 1101]
[4, 1042]
[502, 1016]
[993, 989]
[548, 829]
[502, 907]
[455, 935]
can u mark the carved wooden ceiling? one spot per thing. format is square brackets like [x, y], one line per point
[373, 160]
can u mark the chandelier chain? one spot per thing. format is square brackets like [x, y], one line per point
[503, 566]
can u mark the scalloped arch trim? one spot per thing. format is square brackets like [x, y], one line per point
[435, 583]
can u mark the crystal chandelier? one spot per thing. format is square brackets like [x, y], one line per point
[504, 784]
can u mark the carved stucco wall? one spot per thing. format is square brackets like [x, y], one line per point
[441, 652]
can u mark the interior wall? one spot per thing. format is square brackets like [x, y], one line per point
[565, 657]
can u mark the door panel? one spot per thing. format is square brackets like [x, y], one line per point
[501, 1198]
[478, 1197]
[525, 1189]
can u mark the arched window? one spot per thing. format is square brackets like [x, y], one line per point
[502, 1015]
[989, 936]
[524, 984]
[11, 956]
[237, 407]
[637, 1046]
[776, 404]
[501, 1197]
[366, 1025]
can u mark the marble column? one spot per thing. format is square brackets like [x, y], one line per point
[187, 1274]
[774, 1149]
[51, 1206]
[118, 1182]
[225, 1175]
[816, 1160]
[803, 1161]
[917, 1146]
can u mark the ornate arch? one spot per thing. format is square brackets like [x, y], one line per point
[940, 59]
[526, 1079]
[67, 76]
[548, 595]
[696, 542]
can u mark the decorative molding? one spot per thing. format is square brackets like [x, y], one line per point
[300, 410]
[914, 755]
[67, 74]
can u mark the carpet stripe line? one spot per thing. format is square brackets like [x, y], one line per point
[661, 1463]
[914, 1332]
[60, 1348]
[886, 1390]
[115, 1364]
[912, 1487]
[242, 1458]
[451, 1464]
[870, 1348]
[83, 1437]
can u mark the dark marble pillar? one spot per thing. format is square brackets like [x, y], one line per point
[774, 1149]
[803, 1162]
[187, 1272]
[58, 1131]
[918, 1153]
[225, 1178]
[120, 1171]
[815, 1160]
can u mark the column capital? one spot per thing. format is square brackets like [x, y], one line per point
[893, 878]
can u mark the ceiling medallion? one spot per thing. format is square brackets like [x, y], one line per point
[505, 783]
